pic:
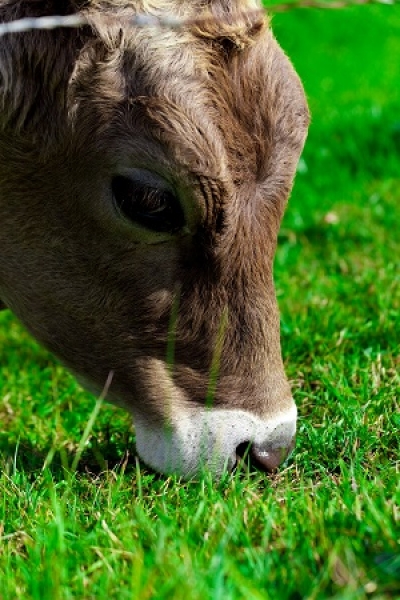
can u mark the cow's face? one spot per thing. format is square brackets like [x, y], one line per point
[142, 184]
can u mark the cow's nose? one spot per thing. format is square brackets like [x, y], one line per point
[269, 458]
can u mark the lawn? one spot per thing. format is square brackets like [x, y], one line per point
[328, 524]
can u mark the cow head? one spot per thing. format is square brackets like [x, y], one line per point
[143, 178]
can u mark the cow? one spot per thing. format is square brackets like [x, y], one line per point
[144, 173]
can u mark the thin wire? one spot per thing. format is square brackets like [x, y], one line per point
[27, 24]
[171, 22]
[328, 4]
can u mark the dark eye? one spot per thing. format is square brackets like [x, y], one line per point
[147, 204]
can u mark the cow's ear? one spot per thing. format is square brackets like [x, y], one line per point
[233, 25]
[19, 9]
[35, 67]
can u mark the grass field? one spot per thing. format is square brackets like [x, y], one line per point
[328, 524]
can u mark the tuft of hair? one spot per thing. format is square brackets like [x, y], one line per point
[233, 25]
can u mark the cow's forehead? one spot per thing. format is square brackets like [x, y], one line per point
[219, 94]
[195, 51]
[181, 77]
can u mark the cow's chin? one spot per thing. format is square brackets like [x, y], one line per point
[202, 439]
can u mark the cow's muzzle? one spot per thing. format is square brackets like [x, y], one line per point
[211, 439]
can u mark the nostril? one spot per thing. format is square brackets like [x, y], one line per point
[243, 452]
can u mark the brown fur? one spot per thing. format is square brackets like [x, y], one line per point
[215, 109]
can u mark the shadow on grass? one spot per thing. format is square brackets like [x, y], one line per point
[110, 455]
[102, 458]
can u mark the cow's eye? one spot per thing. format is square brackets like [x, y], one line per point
[144, 202]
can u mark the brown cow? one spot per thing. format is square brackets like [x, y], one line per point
[143, 177]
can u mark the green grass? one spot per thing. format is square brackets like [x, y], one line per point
[326, 526]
